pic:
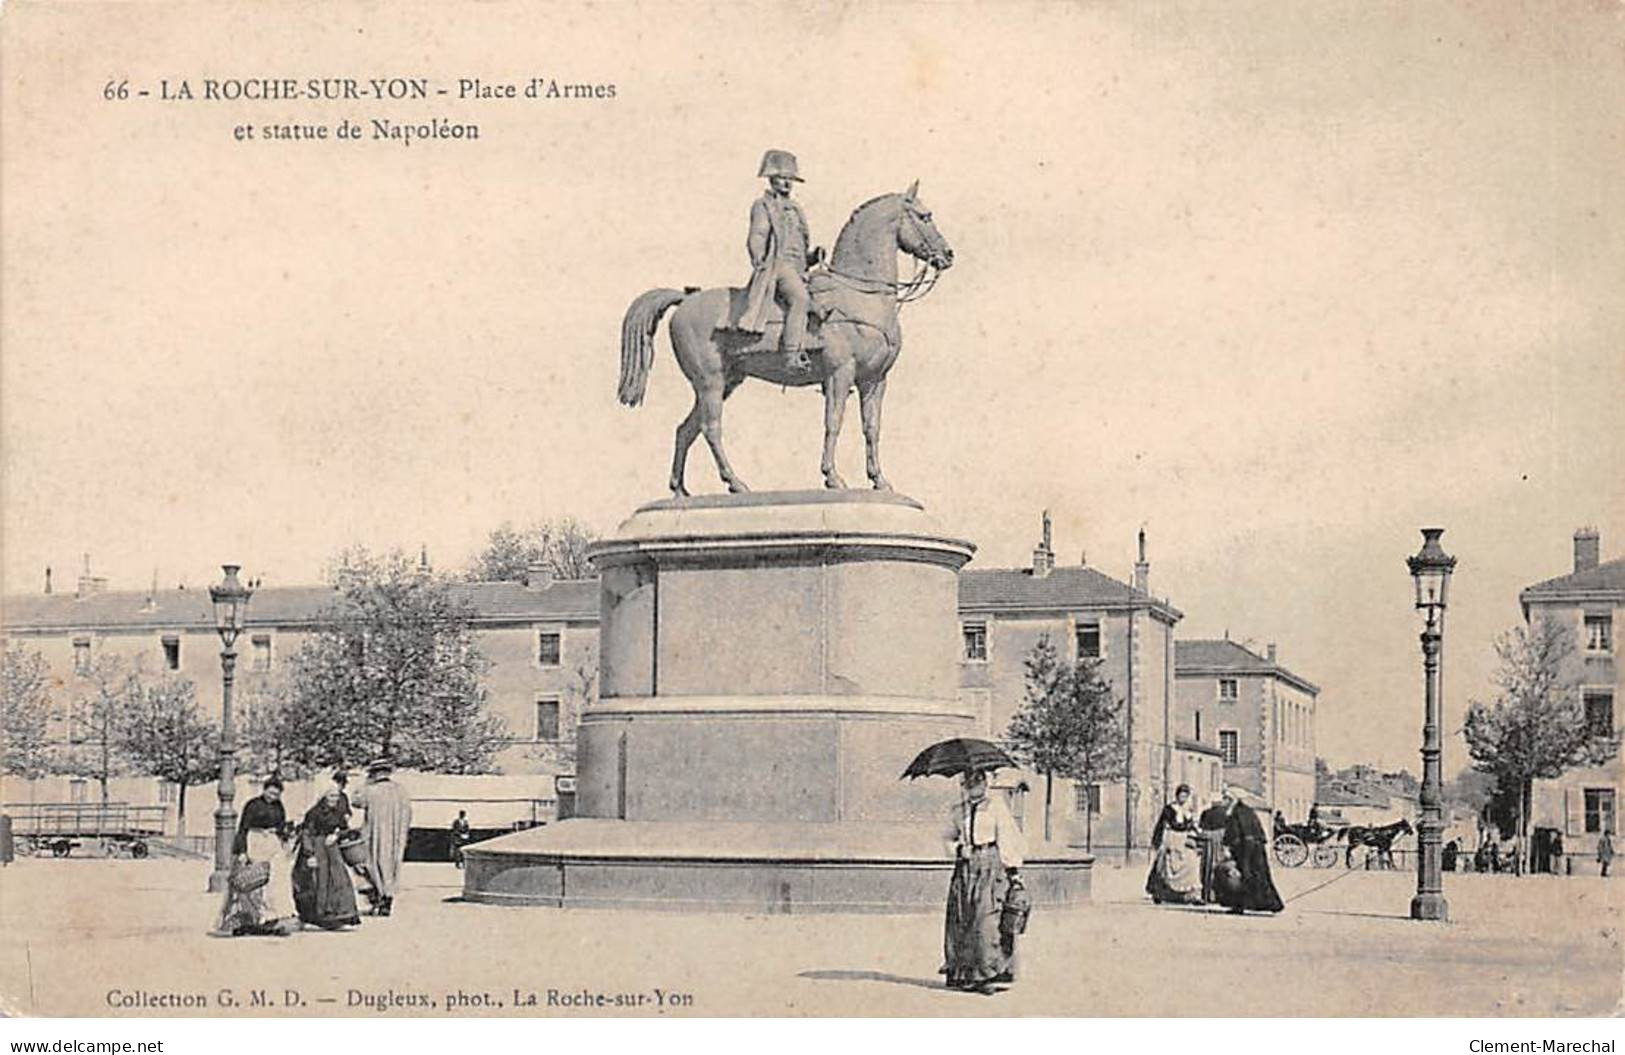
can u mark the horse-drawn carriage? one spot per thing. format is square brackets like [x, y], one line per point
[59, 828]
[1296, 843]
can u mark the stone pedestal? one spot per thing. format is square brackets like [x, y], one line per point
[769, 664]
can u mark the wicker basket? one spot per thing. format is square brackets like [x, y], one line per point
[250, 876]
[353, 849]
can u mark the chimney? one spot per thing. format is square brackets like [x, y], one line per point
[1142, 568]
[47, 578]
[88, 583]
[538, 576]
[1043, 555]
[1587, 549]
[423, 559]
[1270, 652]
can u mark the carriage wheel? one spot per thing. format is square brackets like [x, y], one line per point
[1290, 850]
[1325, 856]
[61, 848]
[138, 849]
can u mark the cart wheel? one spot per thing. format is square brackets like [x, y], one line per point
[1325, 857]
[138, 849]
[26, 848]
[61, 848]
[1290, 850]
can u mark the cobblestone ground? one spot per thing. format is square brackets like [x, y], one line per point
[76, 931]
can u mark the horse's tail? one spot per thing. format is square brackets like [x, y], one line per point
[637, 341]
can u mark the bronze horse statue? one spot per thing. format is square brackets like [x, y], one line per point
[856, 296]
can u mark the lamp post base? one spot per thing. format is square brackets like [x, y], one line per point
[1430, 907]
[218, 881]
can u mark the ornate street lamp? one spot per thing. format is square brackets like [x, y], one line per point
[1431, 568]
[230, 610]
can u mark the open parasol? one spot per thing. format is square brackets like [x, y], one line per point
[953, 757]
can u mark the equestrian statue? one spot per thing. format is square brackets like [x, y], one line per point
[842, 328]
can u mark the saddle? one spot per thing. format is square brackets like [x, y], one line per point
[745, 342]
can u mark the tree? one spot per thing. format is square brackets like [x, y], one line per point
[559, 544]
[1536, 727]
[265, 719]
[164, 734]
[102, 693]
[1070, 725]
[393, 671]
[25, 712]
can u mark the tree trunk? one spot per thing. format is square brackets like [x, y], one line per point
[1521, 862]
[180, 811]
[1088, 820]
[1049, 791]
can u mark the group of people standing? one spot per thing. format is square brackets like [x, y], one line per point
[1220, 857]
[288, 876]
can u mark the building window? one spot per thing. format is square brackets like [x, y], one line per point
[166, 793]
[1088, 640]
[1600, 810]
[547, 719]
[1229, 746]
[975, 642]
[262, 652]
[172, 652]
[81, 655]
[1599, 633]
[549, 646]
[1228, 690]
[1086, 797]
[1599, 708]
[77, 790]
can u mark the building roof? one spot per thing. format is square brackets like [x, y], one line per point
[278, 606]
[1607, 578]
[1223, 656]
[1065, 587]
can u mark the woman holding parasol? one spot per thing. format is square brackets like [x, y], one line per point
[978, 954]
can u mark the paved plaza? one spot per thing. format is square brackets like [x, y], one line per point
[81, 933]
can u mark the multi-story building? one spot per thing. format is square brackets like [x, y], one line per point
[1583, 803]
[540, 636]
[1259, 715]
[1086, 614]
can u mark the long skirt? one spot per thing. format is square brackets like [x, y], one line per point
[264, 910]
[1176, 874]
[323, 892]
[1255, 892]
[973, 950]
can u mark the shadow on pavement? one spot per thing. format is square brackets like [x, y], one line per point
[873, 976]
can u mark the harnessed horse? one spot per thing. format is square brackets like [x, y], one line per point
[1380, 839]
[859, 295]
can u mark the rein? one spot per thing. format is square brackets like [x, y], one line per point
[923, 281]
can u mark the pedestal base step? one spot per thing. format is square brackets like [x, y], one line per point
[747, 868]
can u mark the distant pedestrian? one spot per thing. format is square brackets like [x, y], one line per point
[978, 954]
[1605, 851]
[460, 836]
[1452, 850]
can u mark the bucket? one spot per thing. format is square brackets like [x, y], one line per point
[353, 849]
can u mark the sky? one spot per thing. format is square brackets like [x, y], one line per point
[1281, 284]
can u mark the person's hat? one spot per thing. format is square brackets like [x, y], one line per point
[380, 765]
[780, 163]
[273, 781]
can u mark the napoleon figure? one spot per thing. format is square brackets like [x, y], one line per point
[779, 258]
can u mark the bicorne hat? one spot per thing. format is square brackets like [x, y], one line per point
[780, 163]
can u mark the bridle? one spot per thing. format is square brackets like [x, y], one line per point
[907, 291]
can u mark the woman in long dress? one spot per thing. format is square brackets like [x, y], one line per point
[988, 850]
[1176, 873]
[321, 880]
[262, 836]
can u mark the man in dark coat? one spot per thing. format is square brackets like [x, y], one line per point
[1211, 823]
[1250, 848]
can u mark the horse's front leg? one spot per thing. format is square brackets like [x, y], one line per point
[836, 387]
[870, 397]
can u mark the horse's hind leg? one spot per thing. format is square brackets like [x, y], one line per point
[709, 394]
[688, 430]
[836, 388]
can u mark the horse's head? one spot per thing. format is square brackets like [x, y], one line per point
[1405, 826]
[917, 233]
